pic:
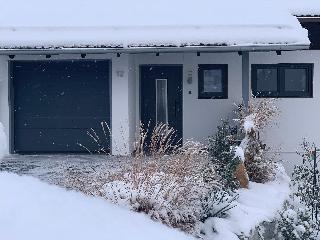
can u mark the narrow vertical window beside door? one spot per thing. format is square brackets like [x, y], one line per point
[161, 101]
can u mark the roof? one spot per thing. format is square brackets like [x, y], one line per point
[302, 7]
[144, 23]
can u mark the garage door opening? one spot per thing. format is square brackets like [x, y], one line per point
[54, 104]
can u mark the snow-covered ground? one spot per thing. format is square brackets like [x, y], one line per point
[33, 210]
[259, 203]
[51, 168]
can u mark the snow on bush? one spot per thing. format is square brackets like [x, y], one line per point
[3, 141]
[167, 189]
[33, 210]
[173, 184]
[169, 182]
[300, 218]
[239, 153]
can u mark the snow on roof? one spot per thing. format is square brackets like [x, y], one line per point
[302, 7]
[144, 23]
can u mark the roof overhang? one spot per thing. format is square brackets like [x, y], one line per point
[136, 50]
[309, 18]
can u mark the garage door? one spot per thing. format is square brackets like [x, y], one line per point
[55, 103]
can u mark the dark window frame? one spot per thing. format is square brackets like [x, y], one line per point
[213, 95]
[281, 92]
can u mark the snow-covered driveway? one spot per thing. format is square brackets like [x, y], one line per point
[33, 210]
[50, 168]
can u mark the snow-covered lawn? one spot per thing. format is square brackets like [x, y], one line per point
[33, 210]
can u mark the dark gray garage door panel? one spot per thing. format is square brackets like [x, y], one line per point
[56, 102]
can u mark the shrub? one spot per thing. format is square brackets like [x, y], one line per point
[300, 220]
[222, 155]
[217, 203]
[295, 223]
[260, 164]
[176, 185]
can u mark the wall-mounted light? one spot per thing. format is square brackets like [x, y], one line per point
[198, 54]
[118, 54]
[239, 53]
[157, 54]
[278, 52]
[11, 56]
[83, 55]
[120, 73]
[48, 56]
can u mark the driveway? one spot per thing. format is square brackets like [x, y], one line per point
[51, 168]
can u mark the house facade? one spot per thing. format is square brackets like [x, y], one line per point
[57, 82]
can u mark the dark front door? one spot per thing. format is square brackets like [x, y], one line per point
[161, 96]
[54, 103]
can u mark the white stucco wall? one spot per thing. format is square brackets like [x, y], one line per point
[4, 97]
[299, 117]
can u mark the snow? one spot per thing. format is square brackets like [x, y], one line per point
[126, 24]
[238, 152]
[248, 124]
[259, 203]
[3, 142]
[30, 209]
[301, 7]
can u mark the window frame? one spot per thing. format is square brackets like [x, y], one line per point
[281, 92]
[213, 95]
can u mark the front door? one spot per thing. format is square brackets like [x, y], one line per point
[161, 96]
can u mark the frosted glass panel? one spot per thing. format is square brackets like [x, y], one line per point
[212, 81]
[161, 101]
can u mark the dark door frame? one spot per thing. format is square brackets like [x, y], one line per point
[11, 101]
[140, 90]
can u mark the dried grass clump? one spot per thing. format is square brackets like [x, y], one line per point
[160, 141]
[261, 112]
[168, 188]
[171, 182]
[163, 179]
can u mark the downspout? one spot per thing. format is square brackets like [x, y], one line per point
[245, 79]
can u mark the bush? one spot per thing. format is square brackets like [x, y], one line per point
[296, 223]
[260, 164]
[176, 185]
[300, 220]
[222, 155]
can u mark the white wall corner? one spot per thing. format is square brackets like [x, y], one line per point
[120, 105]
[4, 101]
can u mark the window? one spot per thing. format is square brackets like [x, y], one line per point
[282, 80]
[161, 101]
[213, 81]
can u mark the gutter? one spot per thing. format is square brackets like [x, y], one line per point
[137, 50]
[303, 19]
